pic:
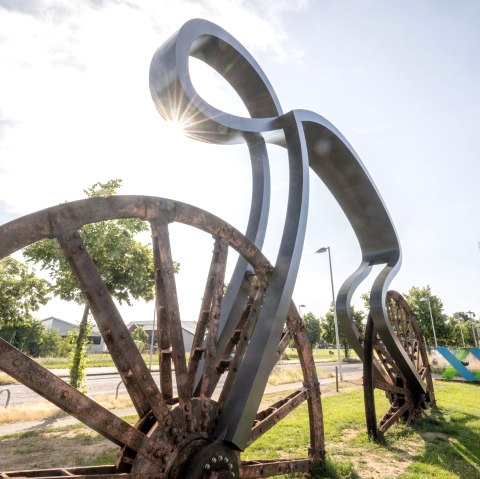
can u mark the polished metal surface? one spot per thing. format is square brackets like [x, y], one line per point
[310, 140]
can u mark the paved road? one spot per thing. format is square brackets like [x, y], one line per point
[104, 382]
[350, 372]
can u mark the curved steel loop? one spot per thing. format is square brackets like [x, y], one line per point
[175, 98]
[337, 164]
[305, 135]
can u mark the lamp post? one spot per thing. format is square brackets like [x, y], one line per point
[300, 306]
[152, 338]
[335, 322]
[431, 318]
[472, 315]
[461, 334]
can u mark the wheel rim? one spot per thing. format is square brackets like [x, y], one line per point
[403, 404]
[176, 431]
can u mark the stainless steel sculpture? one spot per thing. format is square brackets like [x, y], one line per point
[242, 334]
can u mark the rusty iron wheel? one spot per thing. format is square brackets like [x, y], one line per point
[381, 372]
[174, 436]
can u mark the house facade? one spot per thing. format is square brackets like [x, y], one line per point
[97, 345]
[188, 332]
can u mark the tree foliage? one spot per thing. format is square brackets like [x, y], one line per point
[78, 364]
[418, 299]
[33, 339]
[312, 326]
[328, 328]
[125, 264]
[21, 292]
[140, 335]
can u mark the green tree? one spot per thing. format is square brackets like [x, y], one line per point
[328, 328]
[78, 364]
[32, 339]
[21, 293]
[140, 335]
[463, 324]
[312, 326]
[458, 330]
[126, 265]
[418, 298]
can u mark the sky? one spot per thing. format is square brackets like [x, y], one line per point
[398, 79]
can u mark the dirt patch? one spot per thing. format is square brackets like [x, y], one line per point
[376, 462]
[49, 449]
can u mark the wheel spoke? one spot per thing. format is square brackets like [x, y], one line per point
[224, 359]
[393, 415]
[317, 436]
[130, 364]
[210, 306]
[86, 472]
[273, 467]
[245, 335]
[169, 324]
[284, 342]
[270, 416]
[220, 263]
[73, 402]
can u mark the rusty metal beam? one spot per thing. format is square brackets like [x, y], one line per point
[167, 291]
[273, 467]
[220, 253]
[128, 360]
[267, 418]
[73, 402]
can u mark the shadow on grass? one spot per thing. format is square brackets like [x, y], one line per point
[451, 444]
[332, 470]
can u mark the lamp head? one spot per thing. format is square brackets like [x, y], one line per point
[323, 249]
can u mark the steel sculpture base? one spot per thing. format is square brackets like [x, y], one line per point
[175, 436]
[381, 372]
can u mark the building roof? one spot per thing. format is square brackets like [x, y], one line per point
[59, 320]
[189, 326]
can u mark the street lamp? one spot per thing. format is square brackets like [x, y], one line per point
[431, 318]
[472, 315]
[461, 334]
[300, 306]
[152, 338]
[335, 322]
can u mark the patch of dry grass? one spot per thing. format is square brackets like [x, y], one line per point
[6, 379]
[288, 375]
[44, 410]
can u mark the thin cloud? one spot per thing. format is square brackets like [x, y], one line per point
[5, 123]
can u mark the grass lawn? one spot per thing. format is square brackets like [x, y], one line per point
[93, 361]
[444, 444]
[99, 360]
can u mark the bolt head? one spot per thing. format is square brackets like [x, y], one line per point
[230, 466]
[206, 467]
[214, 460]
[220, 458]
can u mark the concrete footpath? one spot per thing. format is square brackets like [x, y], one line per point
[26, 426]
